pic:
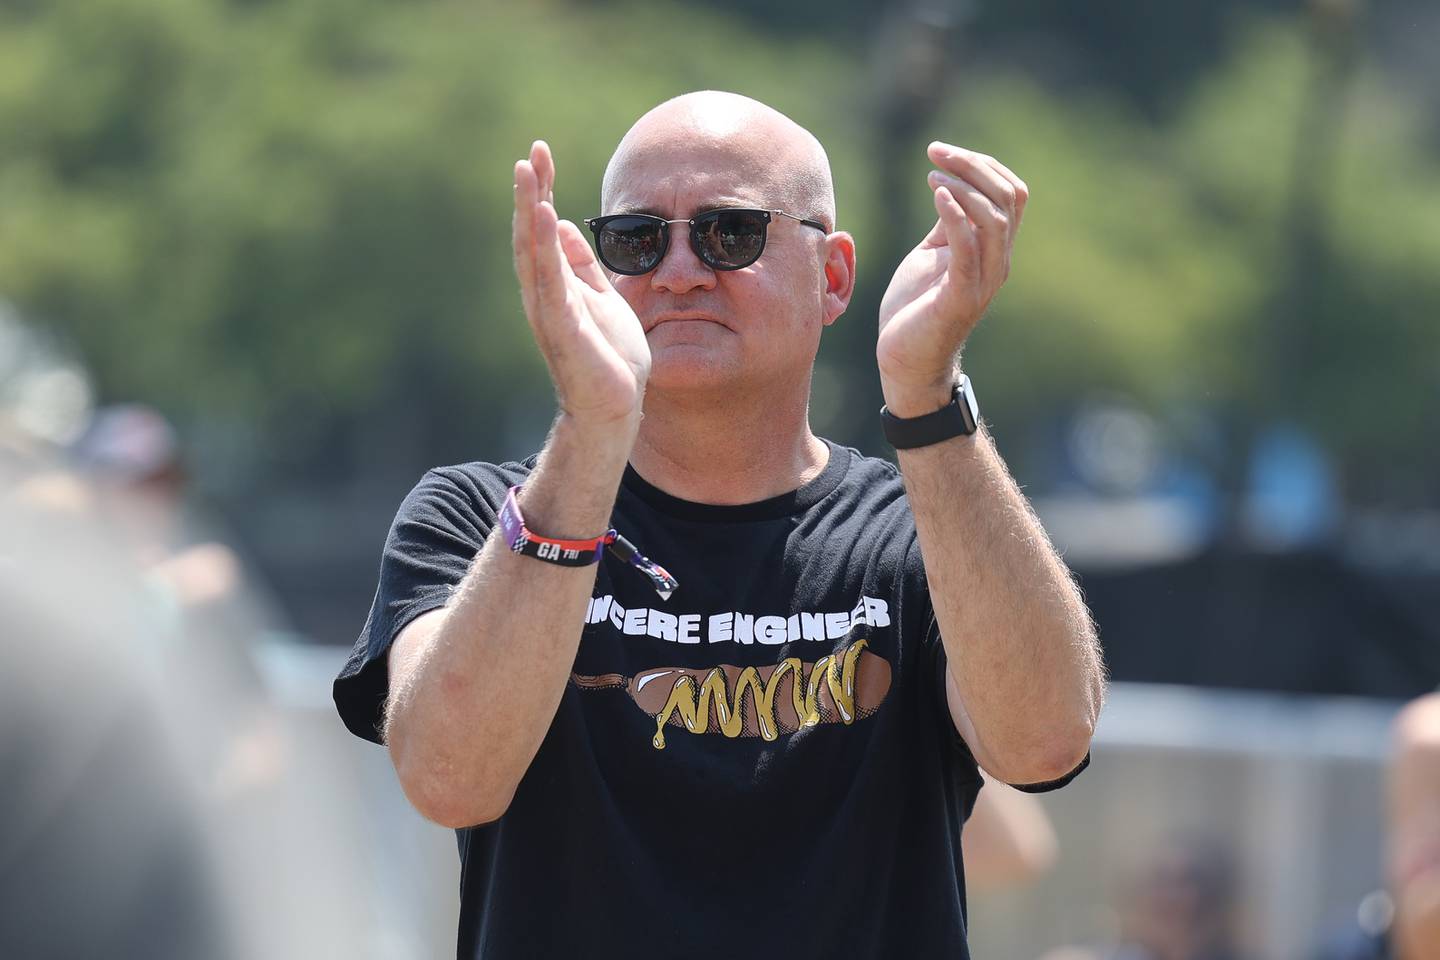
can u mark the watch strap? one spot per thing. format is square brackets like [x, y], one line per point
[958, 418]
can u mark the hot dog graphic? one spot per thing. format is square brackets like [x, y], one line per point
[767, 701]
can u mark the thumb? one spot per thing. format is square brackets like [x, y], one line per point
[582, 258]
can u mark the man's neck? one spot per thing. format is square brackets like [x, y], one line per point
[710, 450]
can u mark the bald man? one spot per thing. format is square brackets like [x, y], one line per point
[775, 757]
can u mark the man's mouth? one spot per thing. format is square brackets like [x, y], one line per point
[683, 317]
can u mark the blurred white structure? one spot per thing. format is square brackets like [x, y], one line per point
[1290, 787]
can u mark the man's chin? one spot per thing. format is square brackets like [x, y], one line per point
[687, 368]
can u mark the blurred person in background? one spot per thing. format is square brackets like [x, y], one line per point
[781, 760]
[1402, 922]
[125, 474]
[133, 449]
[100, 851]
[134, 820]
[1179, 905]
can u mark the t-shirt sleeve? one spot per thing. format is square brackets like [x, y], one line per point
[936, 646]
[439, 528]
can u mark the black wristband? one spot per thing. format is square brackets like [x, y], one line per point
[958, 418]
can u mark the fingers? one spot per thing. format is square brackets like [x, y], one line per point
[549, 259]
[544, 163]
[960, 235]
[995, 180]
[539, 260]
[989, 225]
[534, 182]
[522, 231]
[992, 197]
[1022, 191]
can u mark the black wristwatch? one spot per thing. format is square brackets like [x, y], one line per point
[958, 418]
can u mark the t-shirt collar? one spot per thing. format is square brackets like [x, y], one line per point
[772, 508]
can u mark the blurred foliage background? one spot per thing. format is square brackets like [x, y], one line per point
[285, 224]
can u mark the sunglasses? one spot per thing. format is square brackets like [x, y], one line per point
[730, 238]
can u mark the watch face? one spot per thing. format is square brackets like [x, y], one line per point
[968, 391]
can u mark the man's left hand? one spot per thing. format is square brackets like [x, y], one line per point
[943, 287]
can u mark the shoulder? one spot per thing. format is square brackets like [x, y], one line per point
[873, 467]
[871, 484]
[869, 509]
[459, 494]
[477, 477]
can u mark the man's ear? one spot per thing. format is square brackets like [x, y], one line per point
[839, 274]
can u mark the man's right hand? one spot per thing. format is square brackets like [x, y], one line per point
[592, 341]
[475, 685]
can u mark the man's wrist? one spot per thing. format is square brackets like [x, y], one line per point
[570, 493]
[603, 442]
[908, 399]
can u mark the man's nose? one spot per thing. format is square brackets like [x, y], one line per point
[680, 271]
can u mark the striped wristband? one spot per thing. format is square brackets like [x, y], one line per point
[577, 553]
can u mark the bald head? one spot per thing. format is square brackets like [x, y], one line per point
[758, 145]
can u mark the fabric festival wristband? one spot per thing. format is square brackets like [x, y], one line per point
[566, 553]
[577, 553]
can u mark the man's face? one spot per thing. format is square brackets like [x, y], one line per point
[755, 327]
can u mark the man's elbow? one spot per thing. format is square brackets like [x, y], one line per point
[444, 798]
[1056, 749]
[1064, 747]
[442, 806]
[1061, 759]
[1053, 757]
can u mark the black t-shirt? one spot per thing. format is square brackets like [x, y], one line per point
[762, 765]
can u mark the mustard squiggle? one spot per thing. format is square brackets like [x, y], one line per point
[693, 705]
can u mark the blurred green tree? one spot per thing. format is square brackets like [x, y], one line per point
[287, 221]
[1155, 258]
[290, 220]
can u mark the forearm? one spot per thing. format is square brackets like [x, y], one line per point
[1019, 641]
[472, 700]
[1025, 680]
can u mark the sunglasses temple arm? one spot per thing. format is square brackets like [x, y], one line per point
[802, 220]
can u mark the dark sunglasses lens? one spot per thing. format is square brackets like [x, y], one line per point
[730, 239]
[631, 245]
